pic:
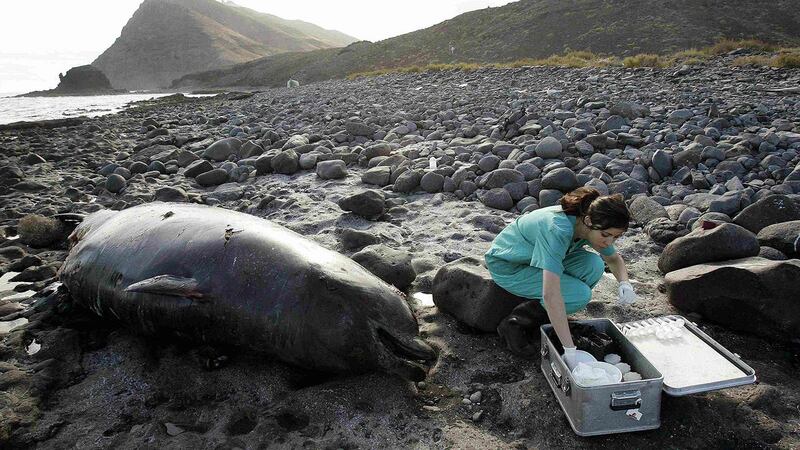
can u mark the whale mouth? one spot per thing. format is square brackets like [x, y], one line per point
[410, 357]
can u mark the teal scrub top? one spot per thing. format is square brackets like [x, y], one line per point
[541, 238]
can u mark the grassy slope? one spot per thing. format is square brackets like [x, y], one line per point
[535, 29]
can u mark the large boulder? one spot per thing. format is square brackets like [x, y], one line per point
[784, 236]
[628, 188]
[286, 162]
[380, 175]
[222, 149]
[664, 230]
[464, 289]
[368, 204]
[720, 243]
[755, 295]
[644, 209]
[562, 179]
[332, 170]
[501, 177]
[497, 198]
[80, 79]
[549, 147]
[390, 265]
[629, 110]
[767, 211]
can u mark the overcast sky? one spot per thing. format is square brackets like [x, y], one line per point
[40, 38]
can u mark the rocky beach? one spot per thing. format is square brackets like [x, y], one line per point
[407, 174]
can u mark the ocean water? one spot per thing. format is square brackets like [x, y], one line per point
[16, 109]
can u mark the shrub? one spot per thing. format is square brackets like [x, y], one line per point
[644, 60]
[787, 60]
[727, 45]
[757, 60]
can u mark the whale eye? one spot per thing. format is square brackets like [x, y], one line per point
[328, 283]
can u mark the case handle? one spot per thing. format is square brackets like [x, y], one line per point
[624, 400]
[561, 380]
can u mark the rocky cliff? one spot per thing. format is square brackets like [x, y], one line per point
[80, 80]
[166, 39]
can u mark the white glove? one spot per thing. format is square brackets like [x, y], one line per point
[569, 357]
[626, 294]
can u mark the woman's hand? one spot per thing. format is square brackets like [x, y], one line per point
[627, 295]
[617, 265]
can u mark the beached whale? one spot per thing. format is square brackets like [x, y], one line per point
[221, 276]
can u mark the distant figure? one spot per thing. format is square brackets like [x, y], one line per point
[292, 83]
[60, 77]
[452, 49]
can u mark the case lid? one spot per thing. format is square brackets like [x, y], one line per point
[690, 360]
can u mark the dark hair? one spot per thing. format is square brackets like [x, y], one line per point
[608, 211]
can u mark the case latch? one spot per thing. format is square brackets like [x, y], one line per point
[624, 400]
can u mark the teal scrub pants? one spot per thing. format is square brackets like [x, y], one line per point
[582, 271]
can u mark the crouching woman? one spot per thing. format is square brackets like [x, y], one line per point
[541, 257]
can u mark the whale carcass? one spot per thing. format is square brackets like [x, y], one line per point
[221, 276]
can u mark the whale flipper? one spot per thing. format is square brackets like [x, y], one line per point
[171, 286]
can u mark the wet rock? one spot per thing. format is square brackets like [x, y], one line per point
[369, 204]
[753, 295]
[390, 265]
[720, 243]
[464, 289]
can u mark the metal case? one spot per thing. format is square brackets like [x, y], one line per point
[615, 408]
[636, 405]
